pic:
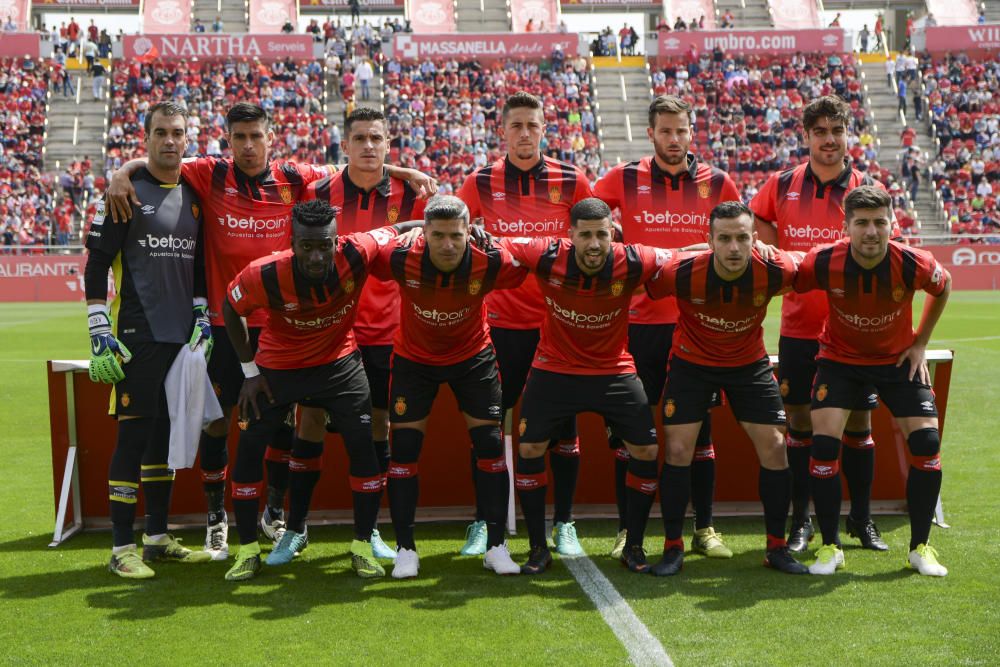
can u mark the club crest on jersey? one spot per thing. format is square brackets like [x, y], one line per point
[195, 210]
[821, 392]
[897, 293]
[126, 399]
[522, 427]
[704, 189]
[617, 287]
[784, 388]
[392, 215]
[758, 299]
[475, 286]
[217, 388]
[400, 406]
[555, 195]
[348, 285]
[669, 408]
[285, 192]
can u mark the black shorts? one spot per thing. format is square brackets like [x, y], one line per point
[797, 370]
[552, 399]
[140, 393]
[751, 389]
[377, 361]
[339, 387]
[649, 345]
[839, 386]
[515, 350]
[475, 383]
[224, 368]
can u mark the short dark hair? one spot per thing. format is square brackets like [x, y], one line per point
[166, 109]
[520, 100]
[727, 209]
[445, 207]
[670, 104]
[362, 115]
[590, 208]
[314, 213]
[829, 106]
[244, 112]
[865, 196]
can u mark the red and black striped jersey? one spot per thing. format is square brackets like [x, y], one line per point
[720, 320]
[246, 217]
[806, 212]
[585, 329]
[666, 211]
[391, 201]
[870, 320]
[306, 323]
[516, 203]
[443, 315]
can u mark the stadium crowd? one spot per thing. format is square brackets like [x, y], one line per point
[290, 91]
[443, 116]
[964, 115]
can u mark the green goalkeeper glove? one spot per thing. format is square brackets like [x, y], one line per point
[202, 332]
[107, 353]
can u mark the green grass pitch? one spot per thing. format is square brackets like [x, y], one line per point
[60, 606]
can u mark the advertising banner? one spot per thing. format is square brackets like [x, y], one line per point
[84, 4]
[192, 45]
[963, 38]
[794, 14]
[268, 16]
[828, 40]
[17, 11]
[323, 6]
[570, 4]
[691, 10]
[27, 278]
[953, 12]
[19, 45]
[970, 266]
[430, 16]
[486, 46]
[161, 17]
[543, 14]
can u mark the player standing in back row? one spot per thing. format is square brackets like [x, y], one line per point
[666, 200]
[525, 194]
[798, 209]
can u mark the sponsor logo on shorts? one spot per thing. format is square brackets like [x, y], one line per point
[669, 408]
[400, 406]
[821, 392]
[522, 427]
[126, 399]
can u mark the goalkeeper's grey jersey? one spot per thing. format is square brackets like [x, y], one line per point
[154, 258]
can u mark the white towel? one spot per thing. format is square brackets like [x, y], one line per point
[191, 403]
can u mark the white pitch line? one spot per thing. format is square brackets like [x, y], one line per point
[965, 340]
[643, 648]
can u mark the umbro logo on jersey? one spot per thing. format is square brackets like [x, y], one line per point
[643, 189]
[291, 306]
[792, 196]
[413, 283]
[837, 292]
[232, 191]
[698, 302]
[499, 196]
[148, 209]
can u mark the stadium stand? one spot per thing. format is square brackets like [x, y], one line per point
[444, 116]
[964, 117]
[291, 91]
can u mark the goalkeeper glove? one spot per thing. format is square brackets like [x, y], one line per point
[107, 353]
[202, 332]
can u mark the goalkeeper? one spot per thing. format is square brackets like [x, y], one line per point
[159, 306]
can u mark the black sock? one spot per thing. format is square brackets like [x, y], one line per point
[564, 458]
[799, 444]
[675, 490]
[246, 518]
[214, 458]
[382, 454]
[775, 489]
[824, 471]
[641, 491]
[123, 477]
[366, 482]
[276, 461]
[531, 483]
[157, 483]
[702, 487]
[621, 494]
[215, 500]
[303, 473]
[276, 501]
[404, 494]
[922, 489]
[476, 491]
[493, 481]
[858, 463]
